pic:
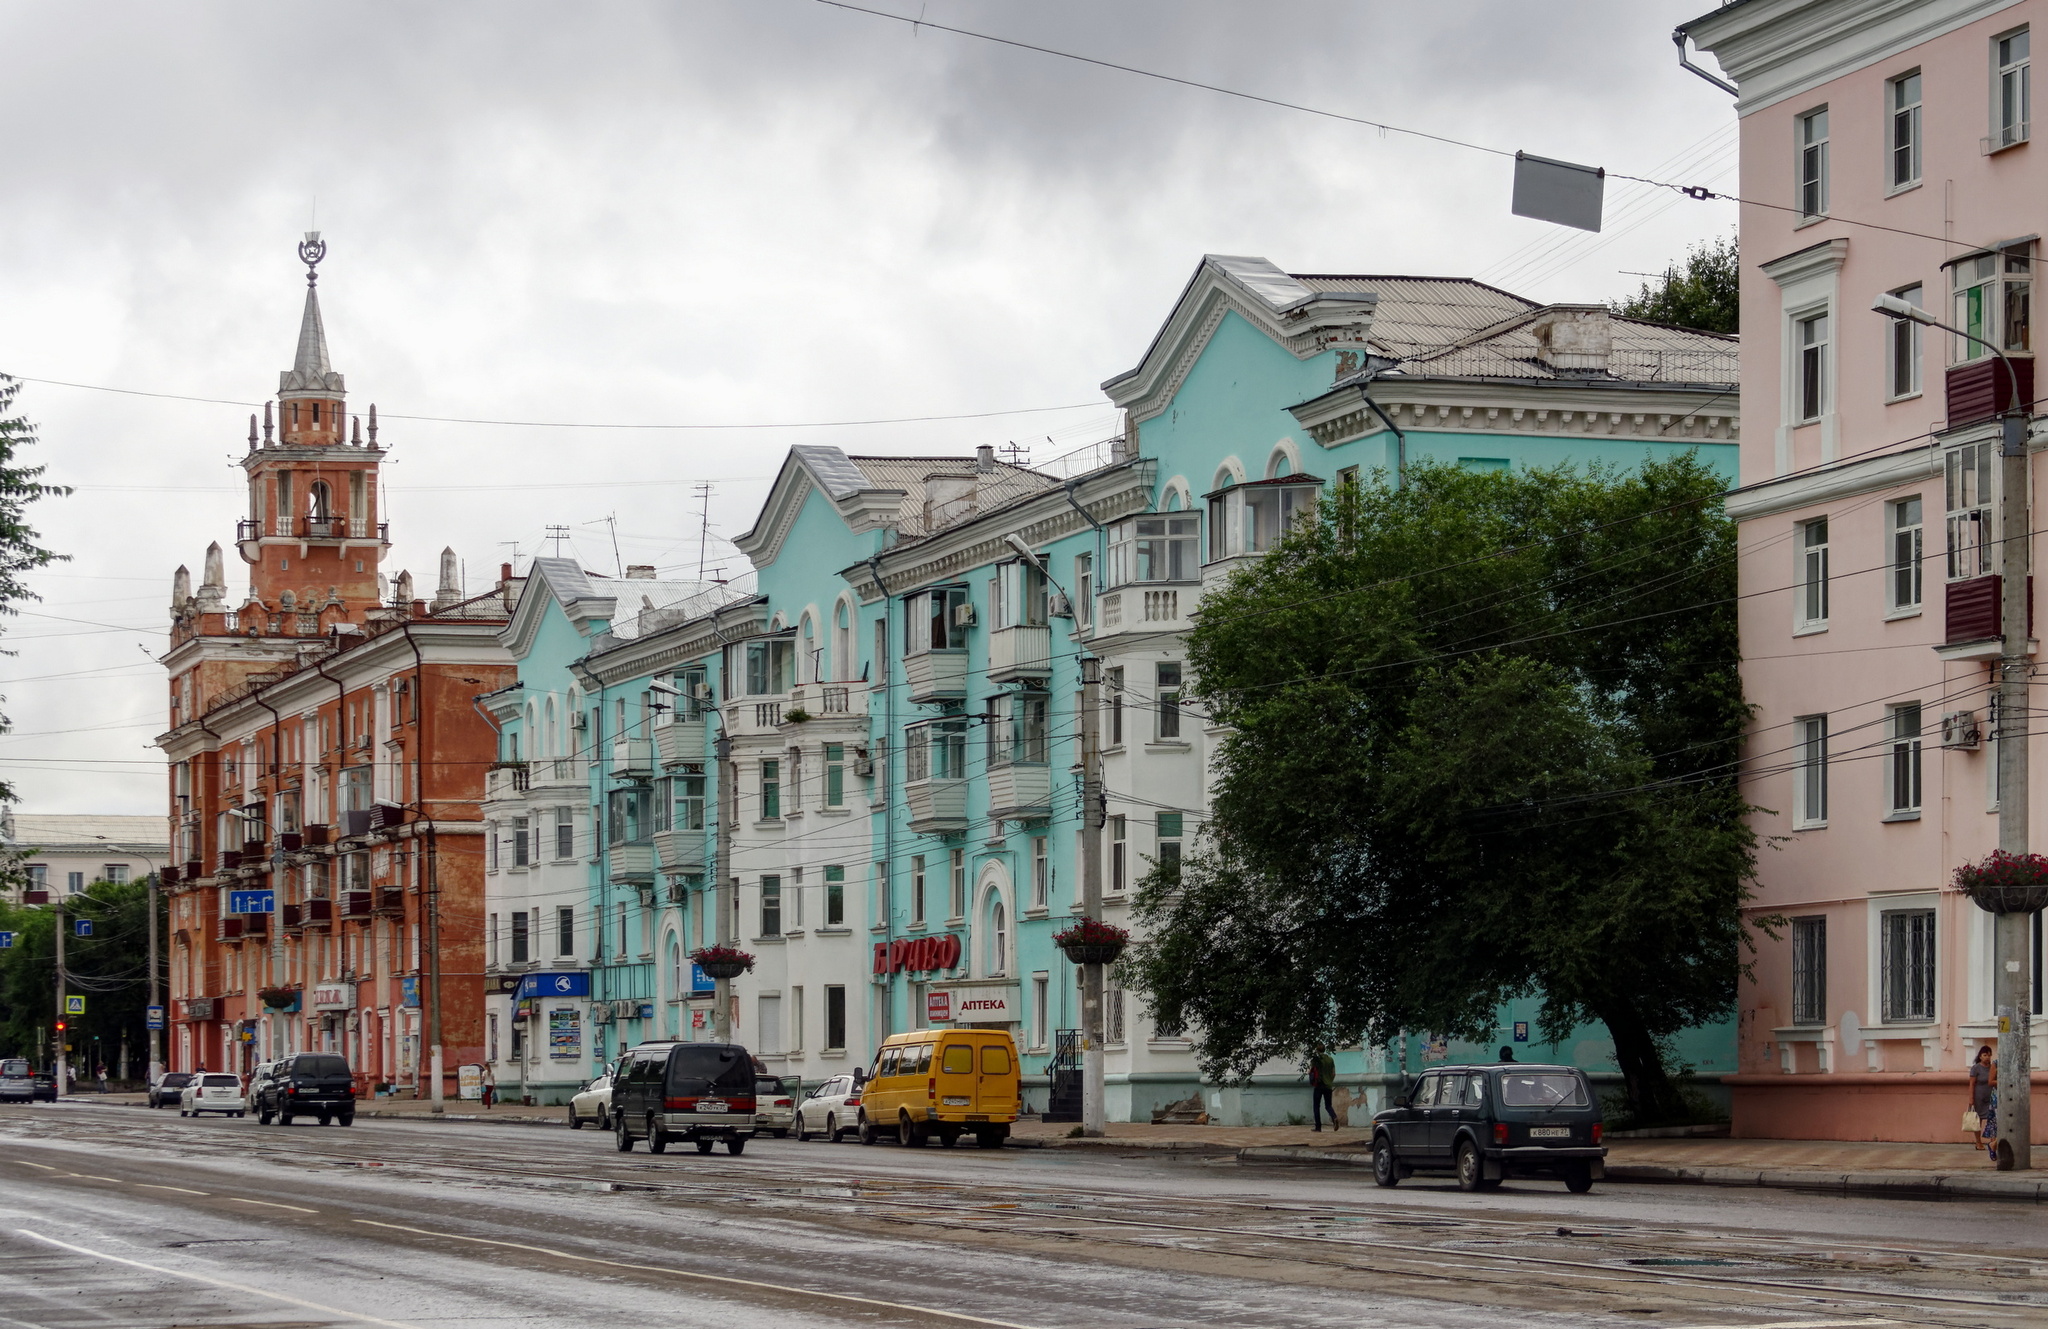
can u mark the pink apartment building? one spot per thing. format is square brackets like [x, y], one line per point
[1868, 506]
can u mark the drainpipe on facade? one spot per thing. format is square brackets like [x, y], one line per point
[599, 841]
[1400, 439]
[270, 839]
[888, 745]
[1094, 1112]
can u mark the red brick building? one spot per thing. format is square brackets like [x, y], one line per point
[325, 747]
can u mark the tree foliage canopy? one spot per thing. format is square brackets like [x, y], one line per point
[1481, 735]
[1704, 293]
[19, 487]
[110, 969]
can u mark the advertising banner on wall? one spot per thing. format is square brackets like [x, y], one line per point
[565, 1034]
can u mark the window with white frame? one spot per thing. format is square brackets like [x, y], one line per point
[1251, 518]
[2011, 89]
[1810, 970]
[1041, 871]
[1902, 770]
[1906, 964]
[1017, 729]
[1903, 94]
[1967, 472]
[935, 621]
[1903, 519]
[1812, 589]
[1167, 677]
[1018, 596]
[771, 667]
[1811, 387]
[1119, 861]
[1903, 347]
[1813, 162]
[1993, 299]
[1084, 589]
[1810, 771]
[957, 898]
[1161, 548]
[917, 890]
[936, 750]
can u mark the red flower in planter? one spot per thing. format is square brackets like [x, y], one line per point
[731, 960]
[1091, 932]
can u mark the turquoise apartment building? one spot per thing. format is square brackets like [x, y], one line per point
[898, 686]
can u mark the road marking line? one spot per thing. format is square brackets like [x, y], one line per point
[90, 1177]
[25, 1163]
[151, 1186]
[268, 1205]
[848, 1298]
[216, 1282]
[1792, 1324]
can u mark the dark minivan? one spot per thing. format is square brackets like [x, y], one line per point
[1484, 1124]
[700, 1092]
[304, 1084]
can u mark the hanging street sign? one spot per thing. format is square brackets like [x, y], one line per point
[155, 1017]
[252, 902]
[82, 927]
[6, 941]
[74, 1005]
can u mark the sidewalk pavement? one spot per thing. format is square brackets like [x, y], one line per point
[1905, 1171]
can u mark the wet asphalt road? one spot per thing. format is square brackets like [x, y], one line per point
[114, 1217]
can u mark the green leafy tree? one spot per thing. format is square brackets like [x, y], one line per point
[109, 969]
[1480, 743]
[19, 552]
[1705, 292]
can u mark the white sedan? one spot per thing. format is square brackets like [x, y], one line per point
[832, 1110]
[593, 1103]
[213, 1093]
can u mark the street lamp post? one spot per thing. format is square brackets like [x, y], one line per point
[2012, 936]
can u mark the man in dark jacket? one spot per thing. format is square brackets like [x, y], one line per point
[1322, 1081]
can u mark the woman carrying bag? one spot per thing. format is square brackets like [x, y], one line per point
[1981, 1118]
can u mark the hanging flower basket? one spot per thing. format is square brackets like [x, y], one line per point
[2006, 883]
[1092, 941]
[722, 961]
[279, 999]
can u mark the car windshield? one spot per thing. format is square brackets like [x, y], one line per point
[13, 1068]
[319, 1065]
[177, 1080]
[221, 1082]
[1542, 1089]
[708, 1069]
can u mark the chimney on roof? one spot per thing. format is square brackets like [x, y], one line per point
[639, 572]
[1573, 336]
[985, 458]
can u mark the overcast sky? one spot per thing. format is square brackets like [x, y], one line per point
[709, 211]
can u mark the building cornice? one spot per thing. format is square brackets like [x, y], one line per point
[1790, 493]
[680, 644]
[1652, 412]
[1778, 49]
[1819, 260]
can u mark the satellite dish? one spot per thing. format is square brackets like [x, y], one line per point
[1852, 1033]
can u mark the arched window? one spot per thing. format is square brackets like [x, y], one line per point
[1225, 478]
[322, 500]
[998, 937]
[1280, 463]
[842, 641]
[678, 985]
[553, 735]
[1173, 498]
[808, 665]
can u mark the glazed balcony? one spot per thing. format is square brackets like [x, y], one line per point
[936, 676]
[1019, 654]
[631, 863]
[679, 741]
[1020, 791]
[1975, 620]
[679, 851]
[937, 807]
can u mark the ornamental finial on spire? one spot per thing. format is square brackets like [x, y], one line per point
[311, 250]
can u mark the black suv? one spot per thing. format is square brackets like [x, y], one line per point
[1485, 1124]
[165, 1092]
[305, 1084]
[700, 1092]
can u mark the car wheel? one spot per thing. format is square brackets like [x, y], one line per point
[183, 1113]
[1578, 1178]
[803, 1133]
[735, 1146]
[831, 1129]
[575, 1122]
[1385, 1171]
[1471, 1171]
[262, 1118]
[908, 1133]
[284, 1118]
[704, 1145]
[604, 1120]
[624, 1136]
[347, 1118]
[325, 1118]
[657, 1136]
[782, 1135]
[988, 1139]
[947, 1139]
[868, 1133]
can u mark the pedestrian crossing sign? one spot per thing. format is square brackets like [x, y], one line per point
[74, 1005]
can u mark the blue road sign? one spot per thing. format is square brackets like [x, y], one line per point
[555, 985]
[74, 1005]
[701, 983]
[252, 902]
[155, 1017]
[409, 990]
[1521, 1031]
[6, 941]
[82, 926]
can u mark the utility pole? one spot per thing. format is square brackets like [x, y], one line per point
[434, 959]
[1093, 1111]
[721, 878]
[156, 1035]
[2013, 932]
[57, 909]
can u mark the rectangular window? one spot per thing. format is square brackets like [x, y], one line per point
[935, 751]
[771, 906]
[1249, 519]
[1810, 970]
[1041, 985]
[917, 890]
[1967, 471]
[796, 1019]
[1905, 135]
[1903, 769]
[1118, 863]
[565, 930]
[1041, 871]
[935, 621]
[1810, 776]
[522, 838]
[629, 815]
[771, 789]
[565, 832]
[2012, 90]
[1164, 548]
[1084, 589]
[521, 941]
[39, 876]
[1018, 596]
[1114, 682]
[622, 927]
[1993, 300]
[1813, 574]
[958, 898]
[1813, 163]
[835, 1018]
[74, 882]
[1905, 345]
[1813, 363]
[771, 667]
[688, 789]
[1168, 678]
[1906, 937]
[114, 873]
[1169, 838]
[795, 899]
[835, 775]
[835, 895]
[1905, 553]
[1112, 1014]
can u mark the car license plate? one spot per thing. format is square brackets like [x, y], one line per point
[710, 1105]
[955, 1102]
[1550, 1132]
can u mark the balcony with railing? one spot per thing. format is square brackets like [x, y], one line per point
[1146, 609]
[826, 701]
[506, 779]
[313, 528]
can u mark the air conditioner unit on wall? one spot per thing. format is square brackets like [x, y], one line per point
[1959, 729]
[1059, 606]
[963, 614]
[579, 719]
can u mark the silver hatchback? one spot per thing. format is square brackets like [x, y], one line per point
[17, 1081]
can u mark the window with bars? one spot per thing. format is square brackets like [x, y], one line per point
[1906, 939]
[1810, 970]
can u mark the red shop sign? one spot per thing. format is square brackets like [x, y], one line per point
[938, 1006]
[917, 954]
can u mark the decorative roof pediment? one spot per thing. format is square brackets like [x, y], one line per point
[555, 581]
[827, 470]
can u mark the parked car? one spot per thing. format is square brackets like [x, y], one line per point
[305, 1084]
[593, 1103]
[942, 1083]
[701, 1092]
[213, 1091]
[832, 1109]
[1484, 1124]
[774, 1106]
[17, 1081]
[169, 1088]
[46, 1086]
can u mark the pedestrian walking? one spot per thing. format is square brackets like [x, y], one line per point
[1322, 1082]
[1984, 1101]
[102, 1069]
[490, 1094]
